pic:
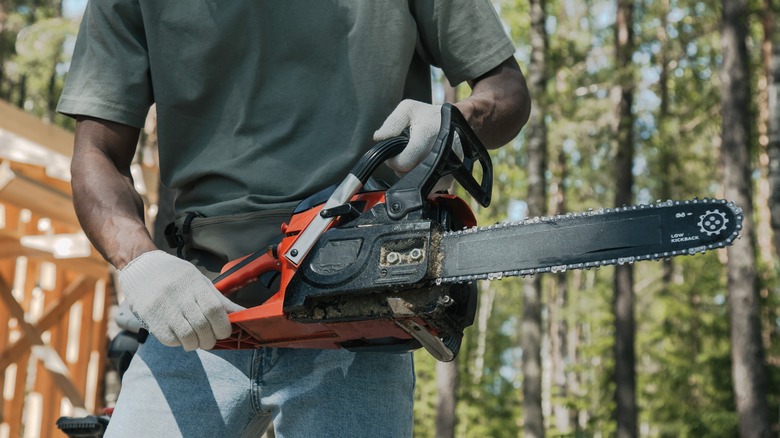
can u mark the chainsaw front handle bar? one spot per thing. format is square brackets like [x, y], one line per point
[410, 192]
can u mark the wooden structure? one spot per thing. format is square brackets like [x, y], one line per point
[54, 302]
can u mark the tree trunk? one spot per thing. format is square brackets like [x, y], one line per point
[447, 385]
[747, 354]
[52, 96]
[572, 352]
[558, 353]
[669, 162]
[532, 358]
[484, 310]
[536, 140]
[773, 134]
[447, 372]
[559, 330]
[764, 233]
[21, 98]
[625, 372]
[763, 216]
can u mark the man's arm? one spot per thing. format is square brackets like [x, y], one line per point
[498, 107]
[499, 104]
[178, 304]
[107, 205]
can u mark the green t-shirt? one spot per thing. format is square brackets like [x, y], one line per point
[262, 103]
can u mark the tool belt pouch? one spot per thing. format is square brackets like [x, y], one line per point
[210, 242]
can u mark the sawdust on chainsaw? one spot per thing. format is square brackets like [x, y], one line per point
[436, 256]
[368, 306]
[340, 308]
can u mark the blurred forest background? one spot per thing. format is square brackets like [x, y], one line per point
[634, 101]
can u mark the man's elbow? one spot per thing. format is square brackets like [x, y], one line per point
[518, 99]
[524, 110]
[512, 101]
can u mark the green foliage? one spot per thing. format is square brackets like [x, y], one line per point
[491, 402]
[425, 395]
[590, 310]
[39, 58]
[34, 57]
[685, 372]
[680, 135]
[489, 397]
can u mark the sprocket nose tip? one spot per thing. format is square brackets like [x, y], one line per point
[712, 222]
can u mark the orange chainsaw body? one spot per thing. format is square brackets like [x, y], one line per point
[267, 325]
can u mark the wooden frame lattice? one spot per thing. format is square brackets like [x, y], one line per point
[53, 311]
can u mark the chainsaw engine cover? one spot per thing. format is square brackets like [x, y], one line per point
[363, 260]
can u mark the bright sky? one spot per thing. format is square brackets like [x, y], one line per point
[73, 8]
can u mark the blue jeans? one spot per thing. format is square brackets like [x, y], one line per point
[168, 392]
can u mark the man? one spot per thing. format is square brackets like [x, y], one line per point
[259, 105]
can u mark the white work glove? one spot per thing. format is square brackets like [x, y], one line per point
[178, 304]
[126, 319]
[423, 121]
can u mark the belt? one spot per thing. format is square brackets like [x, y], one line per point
[177, 237]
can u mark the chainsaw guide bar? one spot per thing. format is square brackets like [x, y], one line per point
[588, 240]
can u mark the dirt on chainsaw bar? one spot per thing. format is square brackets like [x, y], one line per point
[369, 306]
[436, 262]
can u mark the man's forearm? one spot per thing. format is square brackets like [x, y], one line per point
[499, 104]
[108, 207]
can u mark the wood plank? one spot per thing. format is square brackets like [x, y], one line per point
[53, 363]
[10, 246]
[38, 173]
[100, 342]
[13, 416]
[45, 386]
[23, 191]
[51, 394]
[78, 369]
[51, 315]
[25, 125]
[6, 269]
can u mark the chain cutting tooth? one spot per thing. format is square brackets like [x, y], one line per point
[624, 260]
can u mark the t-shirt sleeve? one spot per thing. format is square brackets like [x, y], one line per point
[465, 38]
[109, 74]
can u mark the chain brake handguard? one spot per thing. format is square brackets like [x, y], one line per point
[410, 192]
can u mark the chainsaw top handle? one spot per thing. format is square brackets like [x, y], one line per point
[410, 192]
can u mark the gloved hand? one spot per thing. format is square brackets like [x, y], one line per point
[423, 121]
[126, 319]
[178, 304]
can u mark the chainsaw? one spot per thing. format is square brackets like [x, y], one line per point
[371, 267]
